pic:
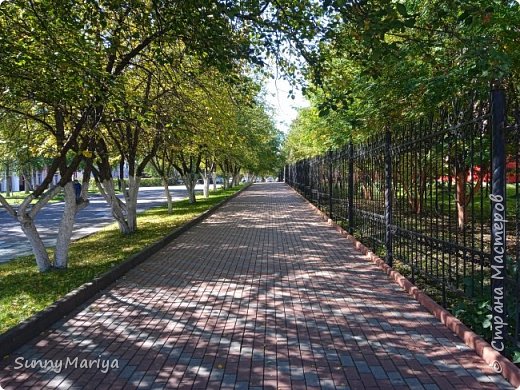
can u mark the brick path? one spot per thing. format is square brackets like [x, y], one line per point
[263, 294]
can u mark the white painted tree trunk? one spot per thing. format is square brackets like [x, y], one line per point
[190, 181]
[118, 208]
[42, 257]
[125, 213]
[72, 206]
[25, 215]
[66, 226]
[214, 177]
[168, 195]
[206, 186]
[205, 177]
[226, 181]
[131, 202]
[236, 180]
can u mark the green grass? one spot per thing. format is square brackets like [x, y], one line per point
[25, 291]
[17, 198]
[446, 202]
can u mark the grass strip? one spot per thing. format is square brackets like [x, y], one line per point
[24, 291]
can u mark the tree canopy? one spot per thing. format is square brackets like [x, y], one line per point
[383, 62]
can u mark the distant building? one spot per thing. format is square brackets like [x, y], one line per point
[18, 183]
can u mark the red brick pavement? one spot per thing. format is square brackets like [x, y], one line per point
[262, 295]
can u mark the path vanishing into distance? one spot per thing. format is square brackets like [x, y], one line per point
[94, 217]
[261, 295]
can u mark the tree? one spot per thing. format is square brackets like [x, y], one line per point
[311, 134]
[259, 150]
[383, 62]
[132, 132]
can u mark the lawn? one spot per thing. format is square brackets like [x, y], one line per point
[16, 198]
[24, 291]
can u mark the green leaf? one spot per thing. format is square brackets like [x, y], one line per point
[409, 22]
[486, 323]
[483, 305]
[401, 8]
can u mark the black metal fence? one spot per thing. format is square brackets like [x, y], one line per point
[421, 197]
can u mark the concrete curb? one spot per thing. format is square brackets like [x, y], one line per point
[17, 336]
[494, 359]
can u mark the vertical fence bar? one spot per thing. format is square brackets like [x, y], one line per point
[517, 238]
[350, 188]
[388, 199]
[331, 214]
[498, 224]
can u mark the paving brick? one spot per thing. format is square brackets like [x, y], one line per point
[263, 294]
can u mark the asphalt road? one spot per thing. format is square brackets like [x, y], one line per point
[89, 220]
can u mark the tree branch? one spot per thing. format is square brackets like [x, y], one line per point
[125, 61]
[10, 209]
[53, 191]
[29, 116]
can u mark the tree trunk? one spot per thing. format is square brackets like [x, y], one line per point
[205, 190]
[190, 181]
[121, 174]
[236, 180]
[25, 215]
[73, 205]
[118, 208]
[8, 180]
[33, 180]
[168, 194]
[131, 202]
[27, 185]
[214, 177]
[226, 181]
[42, 257]
[460, 178]
[66, 226]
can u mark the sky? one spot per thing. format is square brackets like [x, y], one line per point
[285, 108]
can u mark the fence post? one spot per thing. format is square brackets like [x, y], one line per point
[388, 199]
[330, 185]
[498, 224]
[350, 188]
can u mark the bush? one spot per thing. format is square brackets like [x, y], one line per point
[153, 182]
[145, 182]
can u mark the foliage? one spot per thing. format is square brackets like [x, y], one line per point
[257, 143]
[152, 182]
[475, 314]
[383, 62]
[311, 134]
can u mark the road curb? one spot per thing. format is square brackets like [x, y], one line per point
[32, 327]
[494, 359]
